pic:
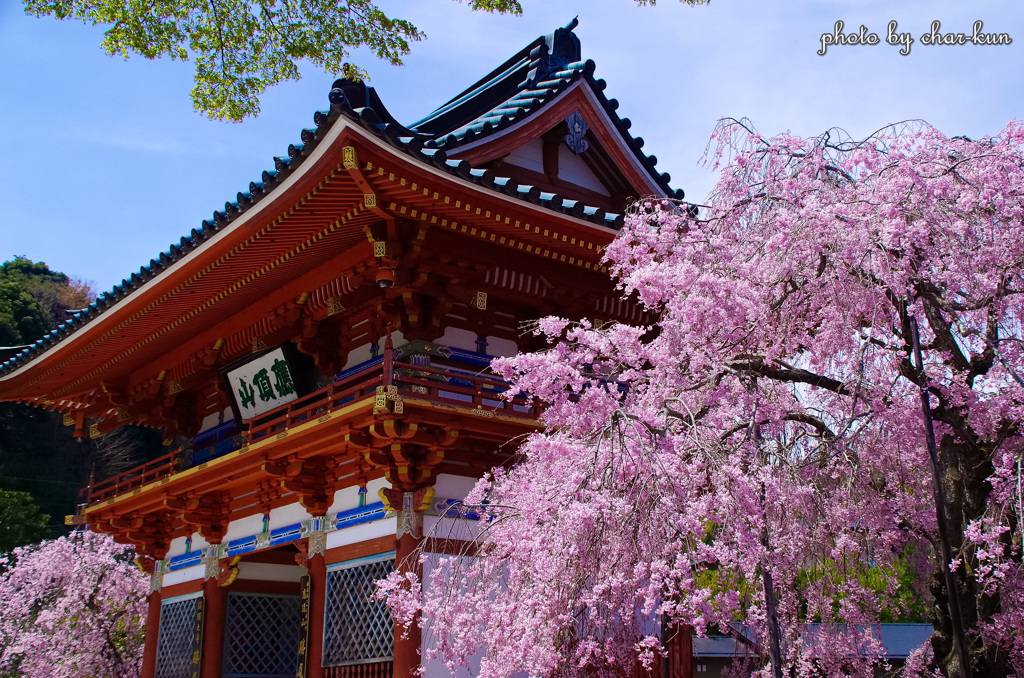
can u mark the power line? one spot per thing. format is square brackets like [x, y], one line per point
[41, 480]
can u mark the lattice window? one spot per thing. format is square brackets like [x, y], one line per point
[179, 638]
[369, 670]
[358, 627]
[261, 635]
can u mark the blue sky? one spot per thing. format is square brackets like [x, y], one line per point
[106, 163]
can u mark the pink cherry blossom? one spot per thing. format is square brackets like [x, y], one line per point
[72, 607]
[755, 458]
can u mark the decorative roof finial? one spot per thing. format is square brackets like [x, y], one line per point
[563, 49]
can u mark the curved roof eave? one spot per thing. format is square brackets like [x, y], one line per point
[528, 83]
[359, 106]
[184, 257]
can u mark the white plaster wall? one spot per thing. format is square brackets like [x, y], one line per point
[529, 156]
[184, 575]
[216, 418]
[348, 498]
[453, 487]
[270, 572]
[498, 346]
[433, 666]
[243, 527]
[572, 169]
[458, 338]
[354, 535]
[177, 545]
[198, 543]
[283, 515]
[450, 528]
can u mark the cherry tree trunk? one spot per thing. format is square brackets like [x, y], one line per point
[965, 470]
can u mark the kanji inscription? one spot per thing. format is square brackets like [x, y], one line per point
[262, 384]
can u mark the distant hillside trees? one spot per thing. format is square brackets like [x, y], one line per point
[21, 521]
[34, 300]
[37, 453]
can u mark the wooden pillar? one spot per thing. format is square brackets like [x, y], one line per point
[317, 568]
[409, 538]
[152, 635]
[213, 628]
[679, 643]
[408, 640]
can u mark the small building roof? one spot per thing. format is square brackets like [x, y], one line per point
[899, 640]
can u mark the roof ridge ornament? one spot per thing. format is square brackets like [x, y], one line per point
[560, 49]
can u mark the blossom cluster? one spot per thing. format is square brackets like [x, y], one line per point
[71, 608]
[752, 459]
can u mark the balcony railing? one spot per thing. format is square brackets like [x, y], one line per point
[149, 472]
[417, 379]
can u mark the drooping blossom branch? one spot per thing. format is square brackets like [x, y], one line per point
[72, 607]
[773, 394]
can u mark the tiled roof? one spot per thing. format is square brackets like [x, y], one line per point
[898, 641]
[360, 103]
[519, 88]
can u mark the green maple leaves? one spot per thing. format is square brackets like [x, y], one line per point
[242, 47]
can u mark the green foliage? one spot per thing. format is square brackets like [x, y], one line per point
[25, 269]
[37, 455]
[899, 599]
[21, 316]
[242, 47]
[500, 6]
[34, 300]
[21, 521]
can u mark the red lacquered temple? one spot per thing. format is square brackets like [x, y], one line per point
[321, 347]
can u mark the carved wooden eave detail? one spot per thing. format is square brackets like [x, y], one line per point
[364, 229]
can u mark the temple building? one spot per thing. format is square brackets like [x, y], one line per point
[317, 355]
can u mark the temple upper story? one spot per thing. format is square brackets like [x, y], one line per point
[317, 355]
[532, 160]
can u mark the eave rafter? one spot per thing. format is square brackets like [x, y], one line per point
[175, 338]
[415, 194]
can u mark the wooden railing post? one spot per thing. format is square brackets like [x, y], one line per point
[389, 360]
